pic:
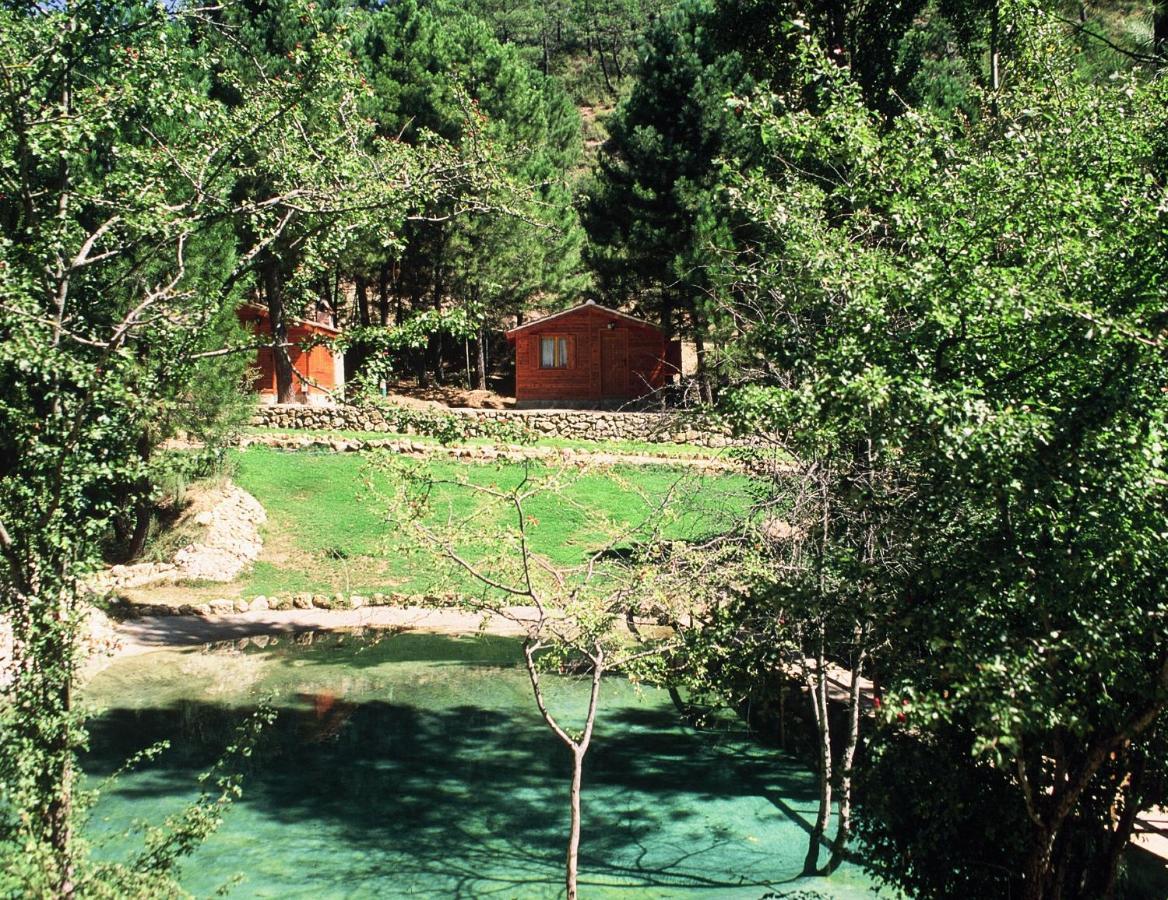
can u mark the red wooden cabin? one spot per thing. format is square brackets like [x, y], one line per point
[319, 369]
[590, 356]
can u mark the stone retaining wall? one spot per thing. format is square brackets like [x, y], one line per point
[700, 460]
[225, 606]
[584, 425]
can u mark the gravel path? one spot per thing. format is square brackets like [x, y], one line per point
[159, 632]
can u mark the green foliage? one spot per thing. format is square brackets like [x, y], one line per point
[146, 166]
[959, 835]
[588, 44]
[651, 211]
[436, 69]
[965, 324]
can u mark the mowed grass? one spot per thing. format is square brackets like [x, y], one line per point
[334, 526]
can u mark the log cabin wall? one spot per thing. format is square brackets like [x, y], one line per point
[317, 364]
[609, 357]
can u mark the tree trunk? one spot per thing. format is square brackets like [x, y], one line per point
[572, 866]
[578, 747]
[137, 545]
[704, 386]
[1103, 876]
[60, 811]
[142, 505]
[277, 321]
[604, 68]
[1036, 868]
[817, 686]
[843, 831]
[995, 54]
[383, 293]
[361, 286]
[481, 360]
[1160, 31]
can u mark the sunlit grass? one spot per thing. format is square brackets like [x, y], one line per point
[332, 525]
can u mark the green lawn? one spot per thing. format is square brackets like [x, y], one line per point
[331, 527]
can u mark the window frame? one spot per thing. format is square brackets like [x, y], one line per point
[561, 341]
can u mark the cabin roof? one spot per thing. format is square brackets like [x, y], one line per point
[259, 311]
[586, 305]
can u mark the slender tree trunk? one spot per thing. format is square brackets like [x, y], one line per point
[817, 685]
[361, 286]
[383, 293]
[277, 321]
[481, 359]
[1160, 31]
[995, 52]
[703, 375]
[578, 748]
[783, 715]
[604, 67]
[571, 871]
[843, 831]
[142, 504]
[60, 809]
[1104, 882]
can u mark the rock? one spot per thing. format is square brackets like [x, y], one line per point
[377, 600]
[302, 601]
[260, 604]
[221, 607]
[356, 601]
[242, 605]
[320, 601]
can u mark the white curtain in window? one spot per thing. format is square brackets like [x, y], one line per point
[547, 352]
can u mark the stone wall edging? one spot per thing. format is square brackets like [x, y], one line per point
[584, 425]
[224, 606]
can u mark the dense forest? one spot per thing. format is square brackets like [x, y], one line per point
[920, 249]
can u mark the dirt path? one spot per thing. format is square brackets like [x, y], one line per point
[151, 633]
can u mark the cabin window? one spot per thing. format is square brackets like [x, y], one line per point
[553, 353]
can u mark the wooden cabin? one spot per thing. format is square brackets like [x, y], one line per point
[590, 356]
[318, 371]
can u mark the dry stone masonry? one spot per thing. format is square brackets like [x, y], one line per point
[491, 453]
[573, 424]
[231, 542]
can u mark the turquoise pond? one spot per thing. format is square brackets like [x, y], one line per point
[417, 765]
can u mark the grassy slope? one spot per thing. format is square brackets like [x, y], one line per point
[330, 529]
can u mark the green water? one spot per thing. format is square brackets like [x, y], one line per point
[417, 765]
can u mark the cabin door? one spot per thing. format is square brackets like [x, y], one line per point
[614, 364]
